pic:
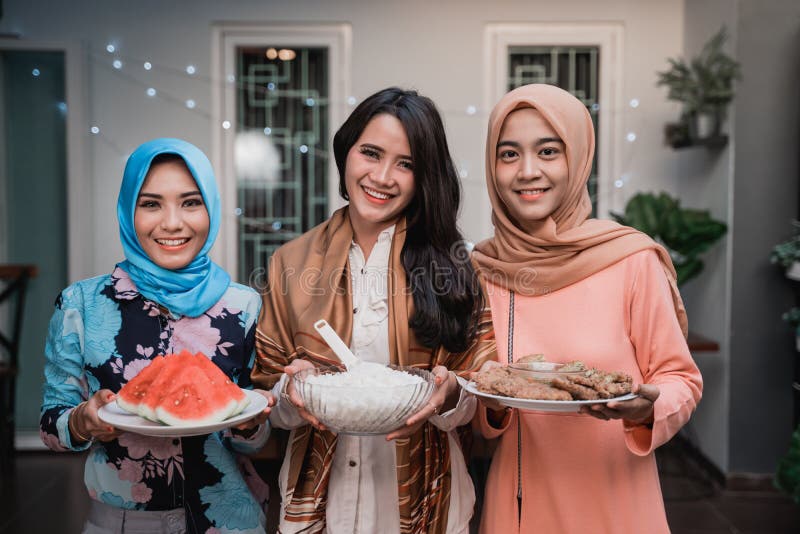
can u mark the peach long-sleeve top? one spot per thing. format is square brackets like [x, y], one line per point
[575, 473]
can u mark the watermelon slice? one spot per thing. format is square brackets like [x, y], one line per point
[194, 400]
[130, 396]
[169, 374]
[221, 380]
[182, 390]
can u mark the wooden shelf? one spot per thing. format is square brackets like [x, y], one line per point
[698, 343]
[709, 142]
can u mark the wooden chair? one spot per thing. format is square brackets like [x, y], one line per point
[12, 298]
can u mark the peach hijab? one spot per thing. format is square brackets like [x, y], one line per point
[567, 246]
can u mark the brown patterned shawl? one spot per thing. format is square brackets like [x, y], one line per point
[309, 280]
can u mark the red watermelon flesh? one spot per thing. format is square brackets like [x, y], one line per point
[221, 380]
[130, 396]
[182, 390]
[194, 400]
[175, 365]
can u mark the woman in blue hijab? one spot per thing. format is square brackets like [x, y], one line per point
[165, 297]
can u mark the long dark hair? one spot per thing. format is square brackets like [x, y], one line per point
[447, 295]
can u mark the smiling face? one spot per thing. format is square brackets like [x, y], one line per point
[531, 168]
[379, 175]
[171, 220]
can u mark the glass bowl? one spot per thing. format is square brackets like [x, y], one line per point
[368, 407]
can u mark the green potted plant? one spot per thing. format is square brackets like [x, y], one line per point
[787, 254]
[793, 318]
[787, 476]
[686, 233]
[704, 86]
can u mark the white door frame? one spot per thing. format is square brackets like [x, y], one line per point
[337, 38]
[80, 193]
[608, 36]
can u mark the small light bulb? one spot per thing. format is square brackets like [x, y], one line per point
[595, 106]
[618, 184]
[62, 107]
[631, 137]
[110, 48]
[238, 212]
[151, 91]
[231, 78]
[634, 103]
[147, 65]
[271, 86]
[271, 53]
[190, 104]
[303, 149]
[226, 125]
[267, 131]
[463, 173]
[310, 102]
[36, 73]
[117, 64]
[351, 100]
[190, 69]
[471, 110]
[95, 130]
[286, 54]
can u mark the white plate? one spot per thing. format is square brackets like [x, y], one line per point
[543, 405]
[115, 416]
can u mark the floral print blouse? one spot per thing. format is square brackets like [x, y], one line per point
[103, 332]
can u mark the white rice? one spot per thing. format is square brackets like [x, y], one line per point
[366, 374]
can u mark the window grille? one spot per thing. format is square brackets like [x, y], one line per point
[282, 94]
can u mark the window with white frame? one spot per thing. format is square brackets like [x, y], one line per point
[584, 59]
[284, 92]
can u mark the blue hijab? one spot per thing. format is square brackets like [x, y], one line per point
[197, 287]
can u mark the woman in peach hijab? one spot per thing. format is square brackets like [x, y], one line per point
[575, 288]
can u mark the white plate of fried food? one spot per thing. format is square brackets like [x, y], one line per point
[551, 387]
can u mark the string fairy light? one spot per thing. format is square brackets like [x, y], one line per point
[190, 71]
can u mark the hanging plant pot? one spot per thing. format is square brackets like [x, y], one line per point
[706, 125]
[793, 271]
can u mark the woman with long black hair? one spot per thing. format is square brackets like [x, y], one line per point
[391, 276]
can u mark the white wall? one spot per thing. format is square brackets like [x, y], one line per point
[704, 179]
[435, 47]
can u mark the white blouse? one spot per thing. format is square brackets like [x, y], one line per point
[363, 483]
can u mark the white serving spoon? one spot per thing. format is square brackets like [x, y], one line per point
[335, 342]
